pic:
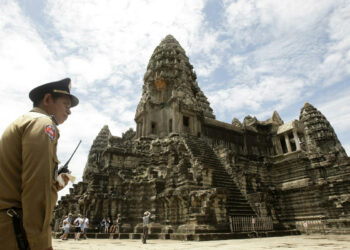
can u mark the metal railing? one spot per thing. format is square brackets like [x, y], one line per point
[308, 226]
[250, 224]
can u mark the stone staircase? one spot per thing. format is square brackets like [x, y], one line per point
[236, 205]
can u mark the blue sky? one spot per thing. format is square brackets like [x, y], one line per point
[251, 58]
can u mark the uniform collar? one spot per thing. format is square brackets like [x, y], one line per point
[41, 111]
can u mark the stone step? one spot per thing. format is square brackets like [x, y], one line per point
[244, 210]
[236, 204]
[239, 203]
[237, 207]
[234, 208]
[220, 180]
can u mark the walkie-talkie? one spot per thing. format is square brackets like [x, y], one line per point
[64, 168]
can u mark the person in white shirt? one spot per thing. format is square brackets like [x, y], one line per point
[66, 226]
[84, 226]
[145, 219]
[77, 223]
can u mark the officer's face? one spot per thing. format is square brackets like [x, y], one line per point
[60, 108]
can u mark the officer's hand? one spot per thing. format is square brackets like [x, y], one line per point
[65, 178]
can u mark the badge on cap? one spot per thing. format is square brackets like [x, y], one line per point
[50, 131]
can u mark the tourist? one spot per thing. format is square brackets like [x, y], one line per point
[305, 227]
[107, 225]
[103, 225]
[145, 220]
[28, 163]
[70, 218]
[66, 227]
[113, 227]
[118, 223]
[64, 218]
[77, 223]
[84, 226]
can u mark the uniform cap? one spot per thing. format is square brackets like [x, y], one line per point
[60, 87]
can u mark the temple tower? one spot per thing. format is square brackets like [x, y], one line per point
[96, 152]
[319, 133]
[171, 101]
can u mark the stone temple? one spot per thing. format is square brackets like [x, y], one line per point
[206, 179]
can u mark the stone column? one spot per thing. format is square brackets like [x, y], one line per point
[138, 129]
[181, 123]
[144, 126]
[163, 124]
[175, 119]
[278, 145]
[198, 126]
[141, 128]
[296, 139]
[195, 126]
[191, 127]
[286, 138]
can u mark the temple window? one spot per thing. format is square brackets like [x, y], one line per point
[283, 144]
[153, 128]
[170, 125]
[292, 142]
[302, 142]
[186, 123]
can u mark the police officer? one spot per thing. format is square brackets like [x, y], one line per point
[28, 168]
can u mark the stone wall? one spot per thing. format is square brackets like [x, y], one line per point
[165, 176]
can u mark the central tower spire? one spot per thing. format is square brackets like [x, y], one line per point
[171, 98]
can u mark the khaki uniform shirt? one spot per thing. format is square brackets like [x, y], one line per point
[28, 164]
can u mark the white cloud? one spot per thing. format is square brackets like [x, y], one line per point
[347, 148]
[25, 58]
[92, 68]
[255, 22]
[128, 33]
[336, 62]
[337, 110]
[271, 92]
[25, 62]
[280, 52]
[238, 61]
[205, 68]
